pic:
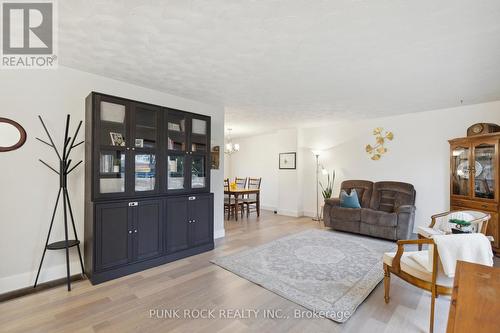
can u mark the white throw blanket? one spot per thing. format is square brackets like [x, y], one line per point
[474, 247]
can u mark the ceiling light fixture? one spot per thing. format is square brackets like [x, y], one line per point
[231, 147]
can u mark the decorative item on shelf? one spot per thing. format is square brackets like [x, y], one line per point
[231, 147]
[139, 143]
[65, 168]
[327, 189]
[288, 161]
[233, 186]
[12, 135]
[482, 128]
[463, 170]
[117, 139]
[215, 157]
[174, 127]
[379, 148]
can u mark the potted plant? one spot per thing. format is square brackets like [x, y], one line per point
[327, 190]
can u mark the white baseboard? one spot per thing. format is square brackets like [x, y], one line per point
[309, 214]
[271, 208]
[27, 279]
[219, 233]
[291, 213]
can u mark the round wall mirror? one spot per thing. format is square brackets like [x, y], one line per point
[12, 135]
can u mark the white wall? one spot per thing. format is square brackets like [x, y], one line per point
[258, 157]
[28, 189]
[419, 154]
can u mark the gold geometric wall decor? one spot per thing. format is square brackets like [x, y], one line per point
[379, 149]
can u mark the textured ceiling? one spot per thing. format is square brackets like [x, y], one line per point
[285, 63]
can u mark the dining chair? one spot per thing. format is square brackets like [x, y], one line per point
[230, 202]
[241, 183]
[251, 199]
[424, 269]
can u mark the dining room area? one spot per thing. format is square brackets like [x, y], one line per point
[241, 198]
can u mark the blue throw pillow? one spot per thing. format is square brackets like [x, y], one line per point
[349, 200]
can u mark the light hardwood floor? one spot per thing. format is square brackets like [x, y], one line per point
[124, 305]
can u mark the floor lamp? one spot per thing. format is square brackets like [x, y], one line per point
[316, 154]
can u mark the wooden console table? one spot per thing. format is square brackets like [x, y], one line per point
[475, 305]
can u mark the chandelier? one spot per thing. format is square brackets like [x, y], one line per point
[231, 147]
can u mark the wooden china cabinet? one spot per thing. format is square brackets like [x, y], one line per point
[474, 178]
[147, 186]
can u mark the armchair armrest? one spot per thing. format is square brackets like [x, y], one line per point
[396, 267]
[333, 202]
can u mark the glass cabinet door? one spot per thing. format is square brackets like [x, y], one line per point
[112, 131]
[145, 121]
[112, 171]
[112, 125]
[176, 172]
[484, 170]
[460, 182]
[198, 171]
[199, 135]
[176, 131]
[145, 172]
[145, 128]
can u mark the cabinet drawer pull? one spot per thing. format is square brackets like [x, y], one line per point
[135, 230]
[130, 231]
[133, 204]
[192, 198]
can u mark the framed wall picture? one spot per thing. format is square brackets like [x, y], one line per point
[288, 161]
[215, 157]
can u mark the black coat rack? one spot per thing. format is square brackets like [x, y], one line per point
[64, 171]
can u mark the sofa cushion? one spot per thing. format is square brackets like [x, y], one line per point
[363, 189]
[346, 214]
[349, 200]
[375, 217]
[388, 196]
[378, 231]
[349, 226]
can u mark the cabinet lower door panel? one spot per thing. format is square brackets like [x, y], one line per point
[148, 229]
[201, 217]
[113, 246]
[177, 224]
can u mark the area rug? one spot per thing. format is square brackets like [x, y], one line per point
[327, 272]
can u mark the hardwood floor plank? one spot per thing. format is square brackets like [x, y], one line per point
[124, 304]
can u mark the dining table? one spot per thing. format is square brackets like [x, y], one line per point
[239, 193]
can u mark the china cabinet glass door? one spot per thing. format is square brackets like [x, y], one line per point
[484, 171]
[199, 144]
[112, 153]
[460, 171]
[145, 142]
[177, 150]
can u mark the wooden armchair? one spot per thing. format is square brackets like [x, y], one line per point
[440, 223]
[406, 268]
[423, 269]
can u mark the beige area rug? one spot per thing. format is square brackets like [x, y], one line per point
[327, 272]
